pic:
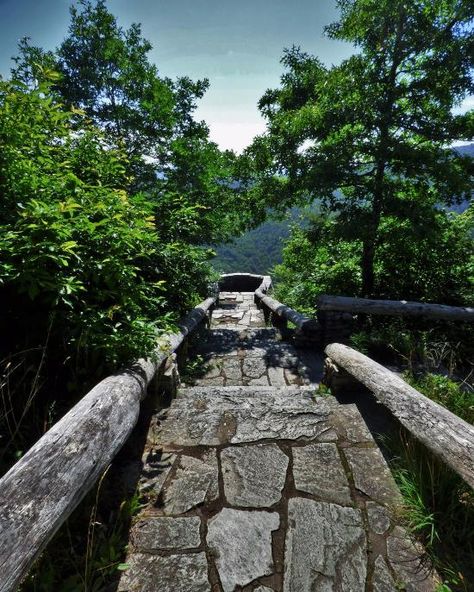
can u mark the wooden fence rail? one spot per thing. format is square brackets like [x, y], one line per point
[445, 434]
[304, 323]
[395, 308]
[41, 490]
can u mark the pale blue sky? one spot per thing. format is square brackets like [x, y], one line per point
[236, 44]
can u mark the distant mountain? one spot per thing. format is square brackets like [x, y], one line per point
[258, 250]
[465, 150]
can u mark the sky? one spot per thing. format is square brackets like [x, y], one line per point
[236, 44]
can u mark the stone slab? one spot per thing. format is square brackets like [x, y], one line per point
[212, 427]
[239, 395]
[174, 573]
[276, 376]
[194, 482]
[262, 381]
[241, 543]
[325, 548]
[254, 367]
[409, 563]
[158, 533]
[292, 377]
[232, 368]
[218, 381]
[155, 470]
[382, 580]
[318, 470]
[379, 518]
[254, 476]
[372, 475]
[350, 424]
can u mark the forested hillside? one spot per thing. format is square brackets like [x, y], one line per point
[260, 249]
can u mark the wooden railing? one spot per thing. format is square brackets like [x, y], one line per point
[41, 490]
[395, 308]
[445, 434]
[307, 326]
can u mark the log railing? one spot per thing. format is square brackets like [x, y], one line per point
[445, 434]
[42, 489]
[395, 308]
[281, 313]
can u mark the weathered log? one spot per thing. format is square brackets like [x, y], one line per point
[285, 312]
[41, 490]
[448, 436]
[396, 308]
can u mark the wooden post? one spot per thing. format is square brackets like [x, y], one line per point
[336, 326]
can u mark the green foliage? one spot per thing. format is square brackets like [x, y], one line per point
[438, 507]
[431, 263]
[458, 399]
[371, 136]
[314, 263]
[74, 245]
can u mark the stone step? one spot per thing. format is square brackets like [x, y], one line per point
[246, 392]
[246, 398]
[216, 416]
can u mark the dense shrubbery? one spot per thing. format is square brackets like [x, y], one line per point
[85, 277]
[108, 188]
[428, 260]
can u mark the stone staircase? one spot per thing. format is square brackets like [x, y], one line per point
[256, 483]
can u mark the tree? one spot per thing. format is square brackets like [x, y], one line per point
[105, 72]
[371, 136]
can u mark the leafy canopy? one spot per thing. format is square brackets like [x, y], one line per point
[371, 136]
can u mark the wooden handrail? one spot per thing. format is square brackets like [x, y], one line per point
[41, 490]
[285, 312]
[395, 308]
[448, 436]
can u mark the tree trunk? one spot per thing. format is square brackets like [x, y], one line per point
[367, 265]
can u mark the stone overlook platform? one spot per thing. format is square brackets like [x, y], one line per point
[257, 483]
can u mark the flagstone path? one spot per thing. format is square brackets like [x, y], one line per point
[256, 483]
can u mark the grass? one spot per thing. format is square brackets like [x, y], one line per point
[438, 509]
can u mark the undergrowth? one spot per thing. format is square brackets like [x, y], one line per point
[438, 508]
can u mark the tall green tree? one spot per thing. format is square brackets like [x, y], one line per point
[371, 136]
[105, 71]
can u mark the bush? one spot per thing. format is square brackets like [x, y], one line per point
[86, 281]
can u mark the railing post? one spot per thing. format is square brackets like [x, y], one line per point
[309, 334]
[336, 326]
